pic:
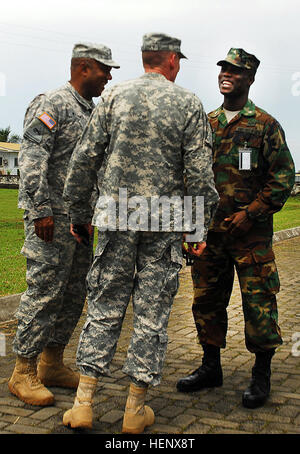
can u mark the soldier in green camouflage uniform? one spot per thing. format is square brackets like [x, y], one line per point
[150, 131]
[56, 263]
[254, 175]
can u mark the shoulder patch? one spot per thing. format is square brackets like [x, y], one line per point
[214, 113]
[47, 120]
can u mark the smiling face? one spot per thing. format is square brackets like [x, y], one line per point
[234, 81]
[97, 76]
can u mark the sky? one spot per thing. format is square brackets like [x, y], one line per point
[36, 41]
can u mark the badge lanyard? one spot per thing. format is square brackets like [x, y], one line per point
[245, 158]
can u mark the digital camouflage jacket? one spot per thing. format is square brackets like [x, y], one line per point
[53, 123]
[150, 133]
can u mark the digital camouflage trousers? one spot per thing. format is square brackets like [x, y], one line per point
[143, 267]
[56, 278]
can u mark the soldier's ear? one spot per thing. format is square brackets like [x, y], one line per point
[85, 66]
[251, 78]
[173, 59]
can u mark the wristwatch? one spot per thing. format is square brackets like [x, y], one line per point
[250, 215]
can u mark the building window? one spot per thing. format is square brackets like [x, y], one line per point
[16, 162]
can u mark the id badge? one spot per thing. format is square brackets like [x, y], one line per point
[245, 158]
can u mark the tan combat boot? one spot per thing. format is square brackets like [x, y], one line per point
[25, 384]
[52, 371]
[81, 415]
[137, 416]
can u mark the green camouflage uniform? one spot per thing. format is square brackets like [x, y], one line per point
[52, 304]
[263, 189]
[148, 131]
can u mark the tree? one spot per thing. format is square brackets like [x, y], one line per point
[14, 138]
[7, 136]
[4, 133]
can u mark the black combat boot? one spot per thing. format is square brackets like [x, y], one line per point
[259, 389]
[208, 375]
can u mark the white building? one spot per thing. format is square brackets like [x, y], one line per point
[9, 158]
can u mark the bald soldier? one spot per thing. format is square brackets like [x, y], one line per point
[152, 133]
[56, 263]
[254, 175]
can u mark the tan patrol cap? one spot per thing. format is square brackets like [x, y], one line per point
[98, 52]
[160, 41]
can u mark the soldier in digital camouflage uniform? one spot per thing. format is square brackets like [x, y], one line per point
[254, 175]
[56, 263]
[149, 131]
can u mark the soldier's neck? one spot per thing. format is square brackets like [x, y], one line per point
[235, 103]
[81, 89]
[160, 70]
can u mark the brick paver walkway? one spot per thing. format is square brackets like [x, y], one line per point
[213, 411]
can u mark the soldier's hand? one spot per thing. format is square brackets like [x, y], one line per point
[197, 248]
[44, 228]
[239, 224]
[194, 248]
[88, 230]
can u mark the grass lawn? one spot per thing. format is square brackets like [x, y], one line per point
[13, 264]
[289, 216]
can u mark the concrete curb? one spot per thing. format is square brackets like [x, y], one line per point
[10, 303]
[286, 234]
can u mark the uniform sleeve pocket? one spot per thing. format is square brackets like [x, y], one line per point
[35, 131]
[243, 196]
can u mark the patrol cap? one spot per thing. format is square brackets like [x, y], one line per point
[98, 52]
[240, 58]
[160, 41]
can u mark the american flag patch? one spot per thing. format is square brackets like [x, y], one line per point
[47, 120]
